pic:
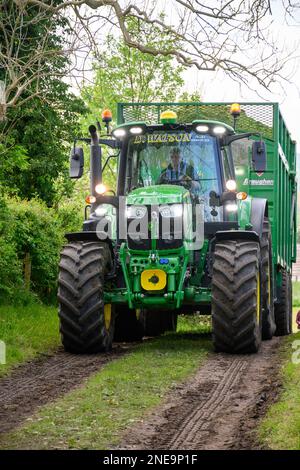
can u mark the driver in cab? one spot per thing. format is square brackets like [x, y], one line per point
[178, 171]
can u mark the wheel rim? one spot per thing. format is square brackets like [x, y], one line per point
[258, 297]
[107, 316]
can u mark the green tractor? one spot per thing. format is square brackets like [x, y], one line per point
[203, 220]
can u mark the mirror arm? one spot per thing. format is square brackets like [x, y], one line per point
[231, 138]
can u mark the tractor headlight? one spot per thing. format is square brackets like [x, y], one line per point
[174, 210]
[231, 207]
[101, 211]
[136, 212]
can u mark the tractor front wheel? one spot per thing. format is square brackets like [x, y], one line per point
[236, 297]
[86, 323]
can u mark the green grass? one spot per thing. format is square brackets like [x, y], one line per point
[296, 294]
[95, 415]
[27, 331]
[280, 429]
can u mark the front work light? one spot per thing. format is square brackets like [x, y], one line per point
[219, 130]
[119, 133]
[136, 212]
[231, 207]
[174, 210]
[231, 185]
[136, 130]
[202, 128]
[100, 188]
[168, 117]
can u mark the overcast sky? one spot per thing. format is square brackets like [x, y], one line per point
[217, 87]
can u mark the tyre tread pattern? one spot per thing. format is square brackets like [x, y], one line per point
[83, 266]
[235, 268]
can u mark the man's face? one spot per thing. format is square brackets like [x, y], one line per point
[175, 159]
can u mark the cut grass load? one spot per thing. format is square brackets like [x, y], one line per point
[26, 332]
[94, 416]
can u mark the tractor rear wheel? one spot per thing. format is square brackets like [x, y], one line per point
[127, 325]
[236, 297]
[268, 319]
[86, 324]
[283, 309]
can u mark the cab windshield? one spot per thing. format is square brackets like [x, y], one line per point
[182, 158]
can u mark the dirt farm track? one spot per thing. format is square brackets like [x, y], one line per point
[218, 408]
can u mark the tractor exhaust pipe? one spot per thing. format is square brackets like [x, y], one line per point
[95, 161]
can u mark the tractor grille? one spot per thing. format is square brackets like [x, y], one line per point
[166, 240]
[254, 117]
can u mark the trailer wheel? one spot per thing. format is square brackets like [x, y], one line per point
[127, 325]
[283, 309]
[268, 319]
[236, 297]
[86, 324]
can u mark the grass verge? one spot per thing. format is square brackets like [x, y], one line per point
[280, 429]
[95, 415]
[26, 332]
[296, 294]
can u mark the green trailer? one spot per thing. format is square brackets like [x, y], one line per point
[203, 220]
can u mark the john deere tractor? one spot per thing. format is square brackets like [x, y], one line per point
[202, 220]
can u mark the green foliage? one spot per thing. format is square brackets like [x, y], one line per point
[35, 138]
[10, 265]
[31, 227]
[296, 294]
[27, 331]
[126, 74]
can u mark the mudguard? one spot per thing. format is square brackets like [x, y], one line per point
[259, 209]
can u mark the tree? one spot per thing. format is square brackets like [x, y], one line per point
[36, 133]
[226, 35]
[125, 74]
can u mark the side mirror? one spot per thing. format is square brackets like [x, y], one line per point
[216, 201]
[259, 156]
[76, 162]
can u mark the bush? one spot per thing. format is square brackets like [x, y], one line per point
[10, 266]
[32, 227]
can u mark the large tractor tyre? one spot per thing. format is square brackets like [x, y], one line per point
[236, 297]
[127, 325]
[86, 324]
[153, 322]
[268, 318]
[283, 309]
